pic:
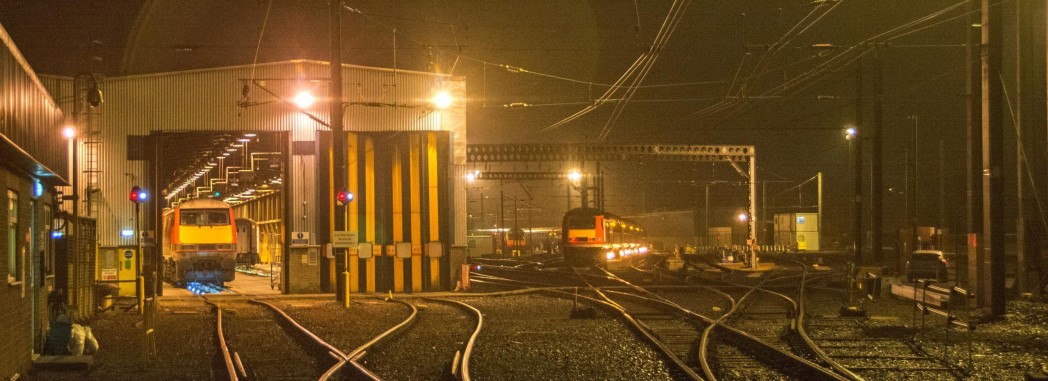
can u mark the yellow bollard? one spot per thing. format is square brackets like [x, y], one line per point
[141, 287]
[345, 282]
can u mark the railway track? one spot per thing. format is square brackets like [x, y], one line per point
[854, 350]
[282, 354]
[440, 327]
[258, 340]
[685, 336]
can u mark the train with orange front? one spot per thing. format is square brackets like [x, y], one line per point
[200, 242]
[590, 237]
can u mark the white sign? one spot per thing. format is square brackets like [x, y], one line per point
[364, 250]
[435, 249]
[344, 239]
[299, 238]
[403, 250]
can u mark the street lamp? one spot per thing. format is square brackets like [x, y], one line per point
[855, 142]
[743, 217]
[575, 176]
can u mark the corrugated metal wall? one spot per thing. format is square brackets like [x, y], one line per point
[207, 100]
[29, 116]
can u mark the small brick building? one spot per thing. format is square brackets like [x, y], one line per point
[33, 163]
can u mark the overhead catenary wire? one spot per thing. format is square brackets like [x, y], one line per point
[835, 62]
[632, 90]
[643, 63]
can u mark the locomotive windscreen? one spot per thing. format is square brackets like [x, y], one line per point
[204, 217]
[579, 222]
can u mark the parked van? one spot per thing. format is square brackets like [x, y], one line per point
[926, 264]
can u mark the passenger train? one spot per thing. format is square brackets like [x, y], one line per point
[200, 242]
[594, 238]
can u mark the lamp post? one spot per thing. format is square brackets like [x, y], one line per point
[69, 132]
[855, 145]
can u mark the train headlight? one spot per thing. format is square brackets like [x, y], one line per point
[643, 249]
[609, 255]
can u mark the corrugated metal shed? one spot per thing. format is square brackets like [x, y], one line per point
[30, 120]
[214, 100]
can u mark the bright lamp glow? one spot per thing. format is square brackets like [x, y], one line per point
[442, 100]
[127, 233]
[850, 133]
[69, 132]
[742, 217]
[471, 177]
[303, 99]
[574, 176]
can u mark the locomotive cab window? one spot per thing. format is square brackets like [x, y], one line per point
[578, 222]
[205, 217]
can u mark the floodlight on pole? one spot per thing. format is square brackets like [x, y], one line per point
[442, 100]
[574, 176]
[69, 132]
[303, 99]
[850, 133]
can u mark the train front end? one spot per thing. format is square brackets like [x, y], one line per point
[203, 244]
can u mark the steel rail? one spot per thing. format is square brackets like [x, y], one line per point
[637, 326]
[226, 357]
[703, 347]
[467, 352]
[341, 357]
[821, 354]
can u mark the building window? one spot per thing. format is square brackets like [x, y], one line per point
[12, 236]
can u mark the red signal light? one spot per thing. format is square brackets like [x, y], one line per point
[135, 190]
[343, 197]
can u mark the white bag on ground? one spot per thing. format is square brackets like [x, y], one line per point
[76, 340]
[90, 343]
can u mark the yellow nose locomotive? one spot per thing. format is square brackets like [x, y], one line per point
[200, 242]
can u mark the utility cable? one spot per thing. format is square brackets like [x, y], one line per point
[1022, 152]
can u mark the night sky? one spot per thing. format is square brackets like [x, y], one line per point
[570, 50]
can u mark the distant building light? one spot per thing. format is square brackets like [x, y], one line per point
[38, 188]
[57, 234]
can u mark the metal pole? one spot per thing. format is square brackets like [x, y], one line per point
[821, 233]
[876, 161]
[74, 256]
[1020, 201]
[338, 156]
[992, 158]
[973, 148]
[913, 176]
[753, 207]
[856, 143]
[706, 215]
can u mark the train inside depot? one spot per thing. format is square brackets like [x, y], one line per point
[200, 243]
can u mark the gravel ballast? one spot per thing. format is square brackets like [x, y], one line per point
[426, 350]
[532, 337]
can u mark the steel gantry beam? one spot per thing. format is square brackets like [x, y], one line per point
[518, 153]
[503, 153]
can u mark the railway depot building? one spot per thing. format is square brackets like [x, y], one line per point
[234, 134]
[33, 163]
[240, 134]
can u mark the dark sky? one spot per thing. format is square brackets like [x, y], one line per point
[585, 44]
